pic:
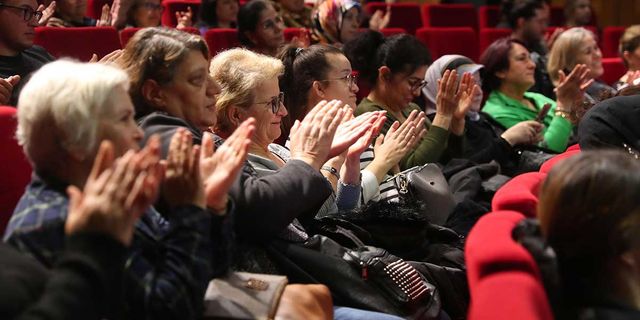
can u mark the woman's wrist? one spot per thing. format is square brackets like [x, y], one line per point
[442, 121]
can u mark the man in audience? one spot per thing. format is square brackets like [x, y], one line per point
[529, 19]
[18, 56]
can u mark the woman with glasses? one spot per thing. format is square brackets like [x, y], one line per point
[395, 69]
[250, 88]
[508, 74]
[260, 27]
[322, 72]
[218, 14]
[71, 13]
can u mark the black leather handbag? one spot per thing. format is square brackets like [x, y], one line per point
[428, 185]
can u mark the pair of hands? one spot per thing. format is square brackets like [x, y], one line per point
[400, 139]
[6, 88]
[325, 132]
[118, 191]
[453, 100]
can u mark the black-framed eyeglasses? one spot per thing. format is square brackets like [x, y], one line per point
[274, 103]
[27, 13]
[349, 79]
[153, 6]
[416, 84]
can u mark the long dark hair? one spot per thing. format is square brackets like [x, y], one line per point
[370, 50]
[301, 68]
[248, 18]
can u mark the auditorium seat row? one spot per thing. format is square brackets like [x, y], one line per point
[504, 279]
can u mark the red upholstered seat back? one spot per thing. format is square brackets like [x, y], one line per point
[548, 165]
[510, 295]
[15, 171]
[488, 16]
[450, 15]
[442, 41]
[403, 15]
[610, 41]
[221, 39]
[613, 69]
[488, 35]
[78, 43]
[519, 194]
[490, 248]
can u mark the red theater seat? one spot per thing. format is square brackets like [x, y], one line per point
[403, 15]
[449, 15]
[79, 43]
[549, 164]
[94, 7]
[221, 39]
[510, 295]
[488, 35]
[490, 249]
[173, 6]
[15, 170]
[519, 194]
[613, 69]
[442, 41]
[611, 40]
[488, 16]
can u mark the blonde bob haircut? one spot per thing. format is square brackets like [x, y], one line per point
[565, 51]
[239, 72]
[60, 109]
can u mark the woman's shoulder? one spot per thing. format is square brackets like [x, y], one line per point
[539, 98]
[367, 105]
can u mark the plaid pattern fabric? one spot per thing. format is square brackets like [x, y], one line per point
[168, 265]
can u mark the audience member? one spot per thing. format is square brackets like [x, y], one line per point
[578, 46]
[509, 73]
[611, 124]
[322, 72]
[98, 229]
[336, 22]
[18, 56]
[218, 14]
[71, 13]
[260, 27]
[395, 67]
[529, 19]
[588, 211]
[145, 14]
[577, 13]
[69, 109]
[485, 142]
[629, 50]
[295, 13]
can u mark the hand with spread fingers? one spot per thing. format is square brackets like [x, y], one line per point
[182, 182]
[467, 90]
[47, 13]
[105, 17]
[219, 169]
[115, 194]
[447, 99]
[312, 139]
[570, 89]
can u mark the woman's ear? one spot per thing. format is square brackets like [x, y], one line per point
[384, 73]
[235, 115]
[501, 74]
[318, 89]
[153, 94]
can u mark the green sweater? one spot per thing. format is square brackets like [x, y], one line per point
[508, 112]
[433, 145]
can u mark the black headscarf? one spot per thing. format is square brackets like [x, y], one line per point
[611, 124]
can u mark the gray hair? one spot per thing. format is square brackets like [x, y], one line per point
[69, 99]
[239, 72]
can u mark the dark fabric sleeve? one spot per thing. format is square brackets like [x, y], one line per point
[167, 275]
[85, 282]
[266, 205]
[499, 149]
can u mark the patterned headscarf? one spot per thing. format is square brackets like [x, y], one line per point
[328, 16]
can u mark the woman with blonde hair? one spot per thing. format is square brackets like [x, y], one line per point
[573, 47]
[629, 50]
